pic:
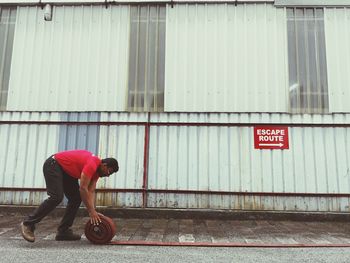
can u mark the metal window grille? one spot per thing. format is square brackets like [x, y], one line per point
[146, 58]
[308, 88]
[7, 28]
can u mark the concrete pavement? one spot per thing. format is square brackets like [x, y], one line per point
[249, 231]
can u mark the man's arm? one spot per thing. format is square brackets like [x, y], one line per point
[87, 193]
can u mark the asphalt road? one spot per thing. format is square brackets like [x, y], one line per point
[19, 251]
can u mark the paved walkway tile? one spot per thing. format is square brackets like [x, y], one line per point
[199, 231]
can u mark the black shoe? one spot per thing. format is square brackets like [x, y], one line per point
[67, 235]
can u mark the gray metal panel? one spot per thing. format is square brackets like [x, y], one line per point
[337, 26]
[126, 144]
[82, 136]
[76, 62]
[247, 118]
[119, 199]
[23, 150]
[191, 158]
[312, 3]
[129, 1]
[224, 159]
[244, 202]
[226, 58]
[7, 27]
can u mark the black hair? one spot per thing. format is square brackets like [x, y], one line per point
[111, 163]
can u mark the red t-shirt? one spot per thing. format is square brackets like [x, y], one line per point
[79, 161]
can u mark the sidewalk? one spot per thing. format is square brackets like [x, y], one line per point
[140, 226]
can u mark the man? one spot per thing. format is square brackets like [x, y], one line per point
[62, 171]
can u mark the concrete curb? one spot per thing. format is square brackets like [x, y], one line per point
[207, 214]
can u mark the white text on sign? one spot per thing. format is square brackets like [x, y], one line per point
[267, 135]
[271, 137]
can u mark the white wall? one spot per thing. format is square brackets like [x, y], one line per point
[76, 62]
[226, 58]
[337, 26]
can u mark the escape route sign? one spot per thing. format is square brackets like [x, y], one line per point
[271, 137]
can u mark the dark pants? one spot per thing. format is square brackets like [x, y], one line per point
[57, 183]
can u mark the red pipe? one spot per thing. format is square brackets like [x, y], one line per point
[145, 163]
[111, 123]
[207, 244]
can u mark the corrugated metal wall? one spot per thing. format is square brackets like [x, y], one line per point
[7, 26]
[337, 26]
[24, 148]
[79, 60]
[76, 62]
[212, 52]
[191, 157]
[224, 159]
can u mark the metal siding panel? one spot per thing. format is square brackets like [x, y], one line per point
[195, 158]
[23, 153]
[260, 203]
[337, 27]
[126, 144]
[119, 199]
[79, 137]
[208, 70]
[191, 158]
[76, 62]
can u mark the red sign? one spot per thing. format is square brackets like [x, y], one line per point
[271, 137]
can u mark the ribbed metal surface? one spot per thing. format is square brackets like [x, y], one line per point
[243, 202]
[311, 3]
[76, 62]
[79, 136]
[337, 26]
[7, 26]
[224, 159]
[206, 158]
[249, 118]
[226, 58]
[24, 148]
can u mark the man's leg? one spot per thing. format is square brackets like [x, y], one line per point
[54, 184]
[71, 190]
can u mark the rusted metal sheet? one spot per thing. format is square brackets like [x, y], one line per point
[249, 202]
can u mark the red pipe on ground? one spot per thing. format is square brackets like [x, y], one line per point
[207, 244]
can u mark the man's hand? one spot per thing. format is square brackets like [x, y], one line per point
[94, 218]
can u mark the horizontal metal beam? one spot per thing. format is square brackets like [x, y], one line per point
[199, 124]
[111, 2]
[312, 3]
[175, 191]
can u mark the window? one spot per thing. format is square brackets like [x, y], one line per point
[146, 58]
[7, 28]
[308, 90]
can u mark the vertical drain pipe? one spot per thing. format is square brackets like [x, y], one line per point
[145, 162]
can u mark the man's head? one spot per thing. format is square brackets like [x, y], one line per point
[108, 166]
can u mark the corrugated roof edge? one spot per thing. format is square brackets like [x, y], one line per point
[38, 2]
[312, 3]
